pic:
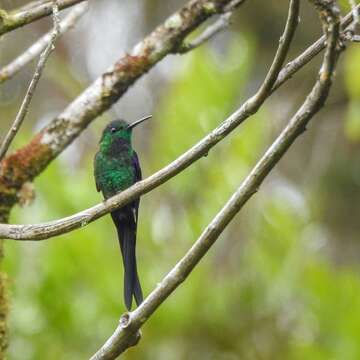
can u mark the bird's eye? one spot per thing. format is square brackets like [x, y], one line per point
[113, 130]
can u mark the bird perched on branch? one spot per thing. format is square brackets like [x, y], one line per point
[116, 167]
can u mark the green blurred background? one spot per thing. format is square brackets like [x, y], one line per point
[282, 282]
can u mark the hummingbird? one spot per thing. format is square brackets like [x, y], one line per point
[116, 167]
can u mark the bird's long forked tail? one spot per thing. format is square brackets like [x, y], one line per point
[127, 239]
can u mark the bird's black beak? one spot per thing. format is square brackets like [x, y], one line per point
[136, 123]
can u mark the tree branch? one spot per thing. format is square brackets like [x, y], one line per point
[8, 71]
[127, 333]
[26, 15]
[20, 117]
[53, 228]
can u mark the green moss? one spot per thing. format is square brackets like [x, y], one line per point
[5, 21]
[3, 15]
[209, 8]
[174, 22]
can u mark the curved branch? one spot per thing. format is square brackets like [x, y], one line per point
[53, 228]
[127, 333]
[8, 71]
[23, 16]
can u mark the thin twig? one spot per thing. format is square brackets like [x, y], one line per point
[356, 19]
[33, 83]
[23, 16]
[8, 71]
[127, 332]
[53, 228]
[233, 5]
[220, 24]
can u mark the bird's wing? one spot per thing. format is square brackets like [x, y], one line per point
[137, 168]
[96, 172]
[97, 186]
[138, 177]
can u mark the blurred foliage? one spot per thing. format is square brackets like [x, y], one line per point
[270, 287]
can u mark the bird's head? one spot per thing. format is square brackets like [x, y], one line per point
[119, 129]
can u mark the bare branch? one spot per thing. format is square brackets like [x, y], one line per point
[8, 71]
[53, 228]
[33, 83]
[219, 25]
[127, 332]
[26, 15]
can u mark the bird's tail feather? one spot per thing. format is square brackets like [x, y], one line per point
[127, 238]
[138, 295]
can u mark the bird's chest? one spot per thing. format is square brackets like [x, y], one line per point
[115, 174]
